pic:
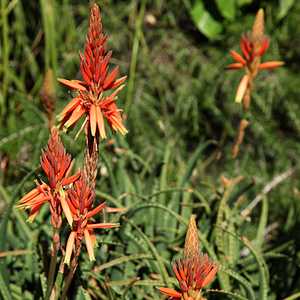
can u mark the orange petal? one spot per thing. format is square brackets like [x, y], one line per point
[210, 277]
[170, 292]
[69, 107]
[270, 65]
[242, 89]
[100, 122]
[39, 199]
[75, 116]
[69, 247]
[93, 238]
[175, 270]
[113, 95]
[96, 210]
[93, 119]
[234, 66]
[102, 225]
[182, 270]
[32, 194]
[89, 245]
[116, 209]
[118, 82]
[71, 179]
[73, 84]
[71, 206]
[28, 197]
[237, 57]
[110, 78]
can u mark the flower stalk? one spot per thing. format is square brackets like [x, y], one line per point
[53, 263]
[194, 271]
[73, 197]
[253, 46]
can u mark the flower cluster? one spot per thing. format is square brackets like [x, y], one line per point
[56, 164]
[65, 194]
[80, 200]
[194, 271]
[192, 274]
[92, 99]
[73, 197]
[253, 46]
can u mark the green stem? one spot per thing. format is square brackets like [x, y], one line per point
[73, 268]
[59, 279]
[52, 269]
[5, 60]
[135, 50]
[69, 277]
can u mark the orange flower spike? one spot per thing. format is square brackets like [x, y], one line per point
[80, 202]
[90, 100]
[56, 164]
[253, 46]
[194, 271]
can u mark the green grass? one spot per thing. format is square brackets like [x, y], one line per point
[182, 120]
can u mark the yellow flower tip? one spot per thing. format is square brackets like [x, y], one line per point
[60, 80]
[20, 206]
[123, 131]
[60, 117]
[31, 215]
[260, 14]
[103, 135]
[242, 89]
[121, 128]
[31, 218]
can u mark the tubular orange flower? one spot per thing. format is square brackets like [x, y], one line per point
[56, 164]
[80, 201]
[93, 100]
[253, 46]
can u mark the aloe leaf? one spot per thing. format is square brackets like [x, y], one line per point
[227, 8]
[204, 21]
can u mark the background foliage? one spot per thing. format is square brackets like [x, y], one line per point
[182, 122]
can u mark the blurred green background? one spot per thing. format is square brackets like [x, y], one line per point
[182, 120]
